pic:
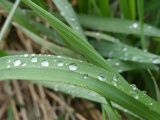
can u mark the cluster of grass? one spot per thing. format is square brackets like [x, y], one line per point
[104, 38]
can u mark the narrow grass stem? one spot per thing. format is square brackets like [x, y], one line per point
[8, 21]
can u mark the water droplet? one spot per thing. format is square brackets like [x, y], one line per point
[150, 102]
[117, 64]
[17, 63]
[120, 70]
[60, 63]
[145, 50]
[115, 77]
[124, 49]
[45, 63]
[85, 76]
[72, 19]
[133, 86]
[135, 25]
[97, 34]
[25, 55]
[8, 66]
[59, 56]
[77, 28]
[135, 94]
[73, 66]
[156, 60]
[62, 13]
[144, 92]
[101, 77]
[66, 7]
[33, 54]
[34, 59]
[24, 64]
[9, 61]
[114, 83]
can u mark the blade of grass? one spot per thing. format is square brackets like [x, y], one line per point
[122, 66]
[104, 7]
[36, 71]
[96, 9]
[82, 93]
[10, 113]
[18, 16]
[111, 113]
[103, 113]
[132, 8]
[68, 13]
[140, 13]
[84, 6]
[101, 36]
[8, 20]
[125, 52]
[114, 25]
[74, 37]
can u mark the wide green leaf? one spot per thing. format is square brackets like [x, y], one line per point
[73, 72]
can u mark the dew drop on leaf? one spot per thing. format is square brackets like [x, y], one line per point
[17, 63]
[8, 66]
[73, 66]
[114, 83]
[115, 77]
[72, 19]
[25, 55]
[62, 13]
[9, 61]
[133, 86]
[45, 63]
[101, 77]
[156, 60]
[144, 92]
[124, 49]
[24, 64]
[135, 94]
[34, 59]
[85, 76]
[117, 64]
[60, 63]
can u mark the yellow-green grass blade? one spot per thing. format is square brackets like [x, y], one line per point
[73, 72]
[104, 7]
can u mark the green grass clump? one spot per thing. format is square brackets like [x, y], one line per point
[91, 50]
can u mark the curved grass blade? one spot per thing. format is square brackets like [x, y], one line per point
[102, 36]
[125, 52]
[122, 66]
[113, 25]
[82, 93]
[8, 20]
[104, 7]
[116, 25]
[71, 36]
[73, 72]
[68, 13]
[112, 114]
[18, 16]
